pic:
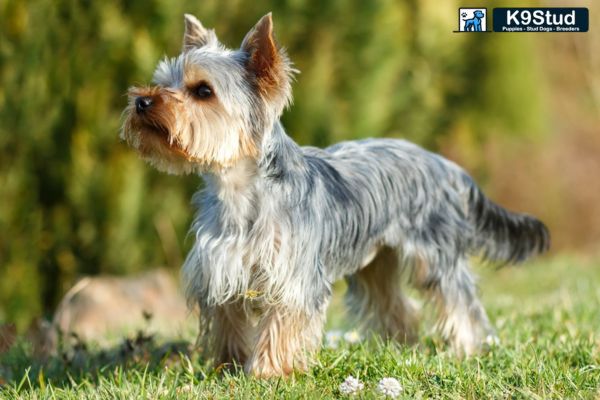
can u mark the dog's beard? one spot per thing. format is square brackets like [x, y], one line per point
[153, 135]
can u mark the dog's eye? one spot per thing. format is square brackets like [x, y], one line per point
[202, 91]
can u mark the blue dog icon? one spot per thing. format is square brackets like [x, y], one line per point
[474, 24]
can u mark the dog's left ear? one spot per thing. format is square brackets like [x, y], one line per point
[266, 60]
[196, 35]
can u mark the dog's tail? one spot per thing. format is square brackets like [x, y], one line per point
[501, 235]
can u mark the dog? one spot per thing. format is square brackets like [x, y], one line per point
[278, 224]
[474, 24]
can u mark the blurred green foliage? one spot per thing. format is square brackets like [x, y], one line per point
[75, 200]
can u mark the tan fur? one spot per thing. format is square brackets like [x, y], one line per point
[420, 271]
[235, 334]
[285, 343]
[266, 340]
[383, 306]
[267, 61]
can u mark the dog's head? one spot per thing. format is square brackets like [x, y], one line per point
[478, 14]
[210, 106]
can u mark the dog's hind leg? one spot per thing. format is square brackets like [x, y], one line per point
[462, 320]
[375, 297]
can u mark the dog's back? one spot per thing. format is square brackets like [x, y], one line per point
[430, 200]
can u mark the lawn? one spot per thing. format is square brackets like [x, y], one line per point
[547, 314]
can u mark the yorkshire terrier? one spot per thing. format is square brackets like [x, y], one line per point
[278, 224]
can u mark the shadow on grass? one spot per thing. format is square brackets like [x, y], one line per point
[21, 370]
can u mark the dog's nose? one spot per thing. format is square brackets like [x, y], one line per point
[143, 103]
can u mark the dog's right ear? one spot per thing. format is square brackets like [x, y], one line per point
[196, 35]
[268, 63]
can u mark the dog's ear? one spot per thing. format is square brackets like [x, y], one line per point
[266, 60]
[196, 35]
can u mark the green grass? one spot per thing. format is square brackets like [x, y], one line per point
[548, 320]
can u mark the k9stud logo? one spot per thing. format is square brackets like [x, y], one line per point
[541, 19]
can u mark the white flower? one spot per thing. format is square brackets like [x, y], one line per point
[332, 339]
[351, 386]
[352, 337]
[389, 387]
[492, 340]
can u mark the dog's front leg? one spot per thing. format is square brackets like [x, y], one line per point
[231, 334]
[285, 342]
